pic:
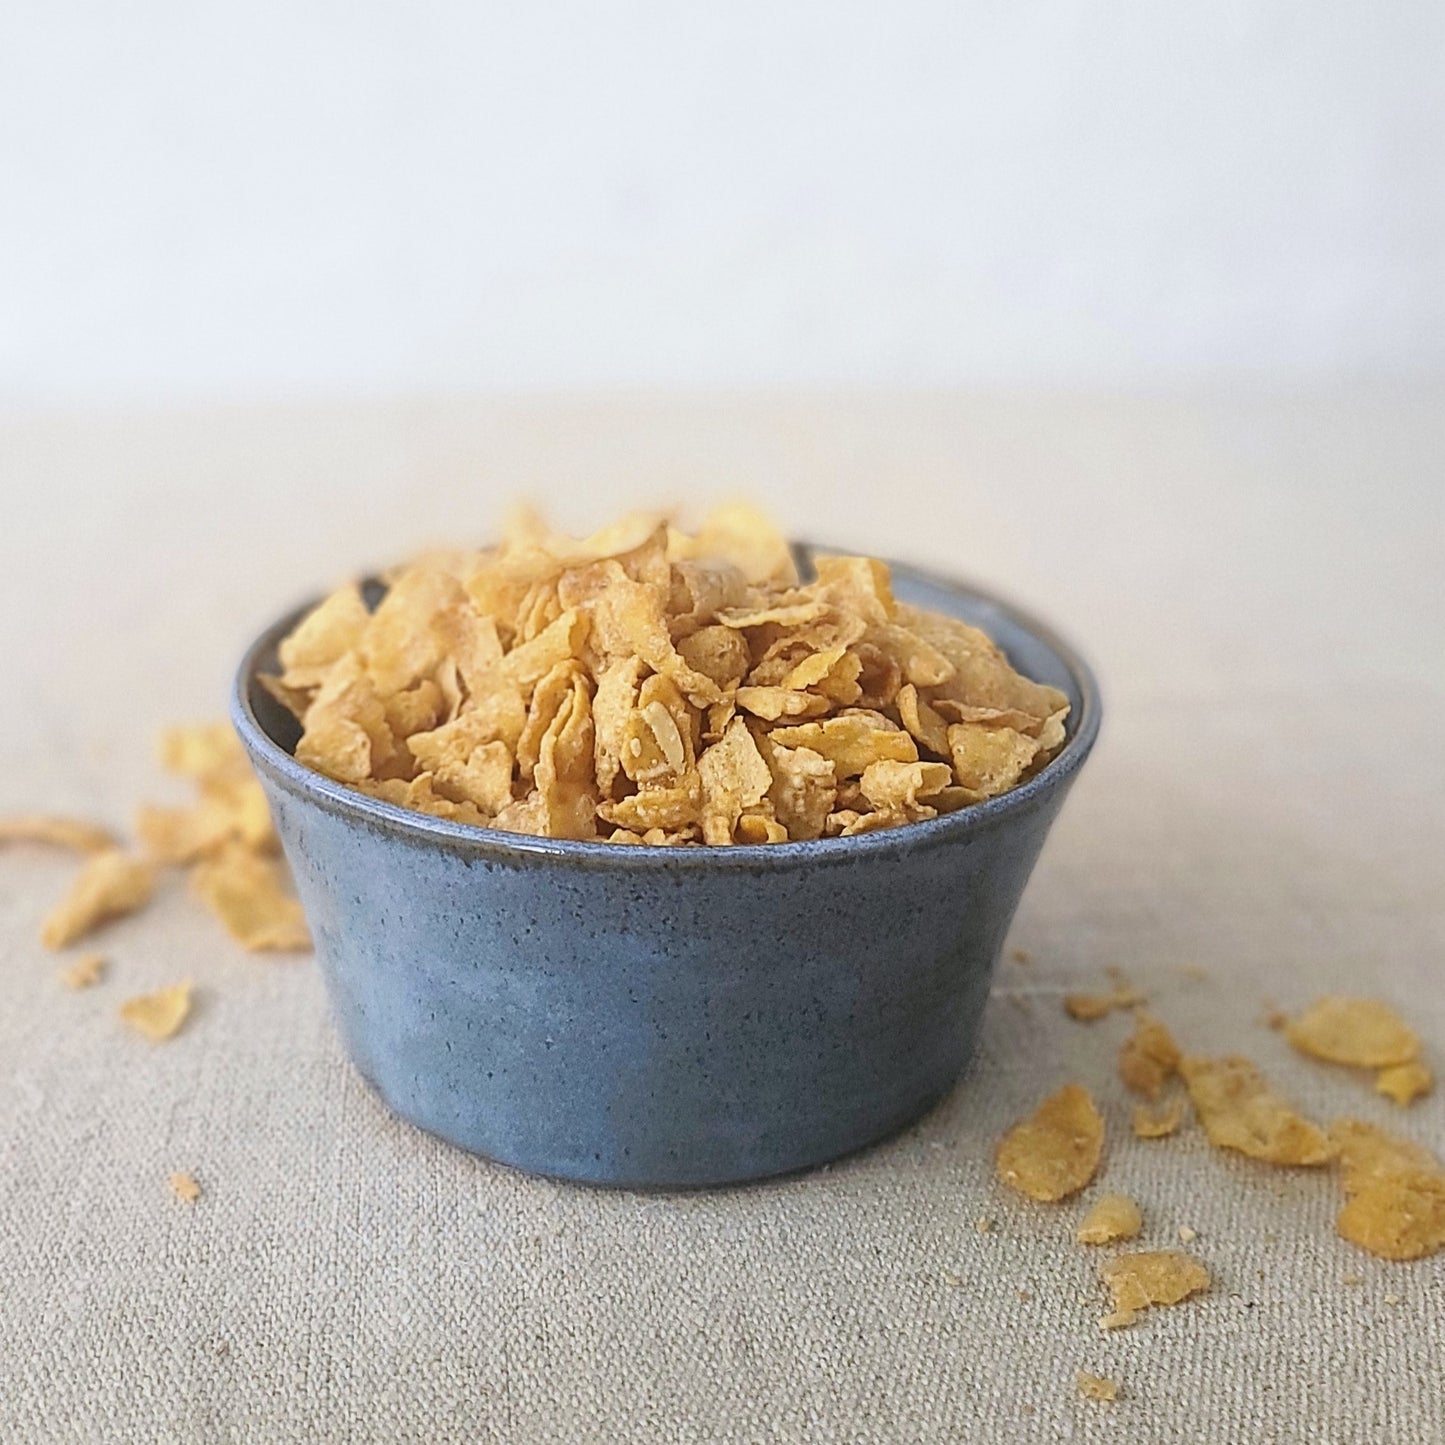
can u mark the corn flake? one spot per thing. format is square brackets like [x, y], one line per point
[159, 1015]
[246, 893]
[1395, 1206]
[1110, 1219]
[1096, 1387]
[110, 885]
[1158, 1123]
[1359, 1031]
[1055, 1152]
[72, 833]
[1404, 1083]
[1240, 1111]
[1148, 1278]
[85, 972]
[1148, 1057]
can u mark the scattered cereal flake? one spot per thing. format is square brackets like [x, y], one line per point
[1110, 1218]
[1158, 1123]
[85, 972]
[1118, 1319]
[184, 1187]
[1353, 1279]
[1240, 1111]
[109, 885]
[1276, 1019]
[1055, 1152]
[1148, 1057]
[1086, 1007]
[1359, 1031]
[246, 893]
[1394, 1299]
[983, 1224]
[1020, 955]
[1096, 1387]
[159, 1015]
[1404, 1083]
[201, 750]
[1147, 1278]
[1025, 1295]
[1187, 1235]
[1395, 1193]
[72, 833]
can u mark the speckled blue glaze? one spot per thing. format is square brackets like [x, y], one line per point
[659, 1017]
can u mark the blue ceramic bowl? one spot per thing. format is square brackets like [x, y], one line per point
[660, 1017]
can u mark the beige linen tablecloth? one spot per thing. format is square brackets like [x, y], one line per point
[1259, 580]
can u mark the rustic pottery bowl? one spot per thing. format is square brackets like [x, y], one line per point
[661, 1017]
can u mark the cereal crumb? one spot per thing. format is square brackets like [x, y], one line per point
[184, 1187]
[159, 1015]
[1020, 955]
[85, 972]
[1353, 1279]
[1111, 1218]
[1187, 1235]
[1096, 1387]
[1394, 1299]
[983, 1224]
[1026, 1295]
[1087, 1007]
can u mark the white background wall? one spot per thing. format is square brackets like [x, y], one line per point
[274, 197]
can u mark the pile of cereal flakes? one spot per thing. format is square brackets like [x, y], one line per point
[648, 685]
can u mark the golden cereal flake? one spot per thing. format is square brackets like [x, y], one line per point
[159, 1015]
[1240, 1111]
[1359, 1031]
[1088, 1007]
[57, 832]
[1111, 1217]
[1404, 1083]
[1161, 1122]
[1096, 1387]
[1148, 1057]
[202, 750]
[85, 972]
[1149, 1278]
[109, 885]
[1055, 1152]
[247, 894]
[1395, 1193]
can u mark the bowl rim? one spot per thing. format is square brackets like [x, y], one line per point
[502, 846]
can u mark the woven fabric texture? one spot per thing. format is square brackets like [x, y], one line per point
[1259, 582]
